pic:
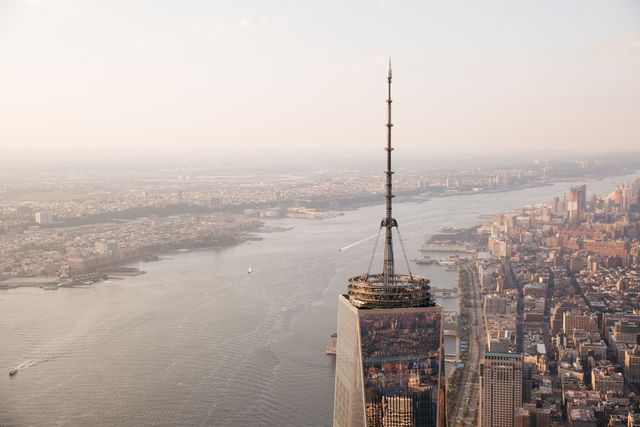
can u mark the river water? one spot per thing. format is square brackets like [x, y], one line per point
[199, 341]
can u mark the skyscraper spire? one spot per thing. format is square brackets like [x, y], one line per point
[378, 312]
[388, 222]
[389, 289]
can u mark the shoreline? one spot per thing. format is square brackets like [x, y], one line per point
[116, 271]
[424, 198]
[49, 283]
[350, 203]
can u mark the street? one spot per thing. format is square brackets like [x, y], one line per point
[468, 395]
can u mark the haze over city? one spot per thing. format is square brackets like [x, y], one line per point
[284, 79]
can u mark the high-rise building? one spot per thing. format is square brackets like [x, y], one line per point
[500, 389]
[390, 359]
[632, 365]
[582, 197]
[109, 249]
[43, 218]
[522, 418]
[604, 378]
[575, 202]
[630, 194]
[579, 319]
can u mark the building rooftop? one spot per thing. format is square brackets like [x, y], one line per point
[402, 290]
[507, 355]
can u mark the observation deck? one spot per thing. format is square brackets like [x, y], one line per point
[402, 290]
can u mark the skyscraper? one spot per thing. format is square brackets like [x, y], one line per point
[575, 202]
[390, 359]
[500, 389]
[43, 218]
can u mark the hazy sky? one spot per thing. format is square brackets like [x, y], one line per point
[309, 76]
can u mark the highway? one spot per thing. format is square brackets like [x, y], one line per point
[468, 395]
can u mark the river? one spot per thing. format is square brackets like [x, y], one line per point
[199, 341]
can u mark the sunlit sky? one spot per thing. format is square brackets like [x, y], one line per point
[303, 76]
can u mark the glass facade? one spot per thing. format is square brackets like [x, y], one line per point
[396, 357]
[348, 405]
[401, 350]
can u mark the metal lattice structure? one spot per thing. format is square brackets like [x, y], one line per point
[373, 291]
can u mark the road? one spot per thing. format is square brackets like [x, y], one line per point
[469, 394]
[512, 283]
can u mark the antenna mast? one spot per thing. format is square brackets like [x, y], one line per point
[388, 222]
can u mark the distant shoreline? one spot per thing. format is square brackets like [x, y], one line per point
[120, 270]
[245, 237]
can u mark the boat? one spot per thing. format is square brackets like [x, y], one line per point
[13, 371]
[331, 348]
[451, 230]
[424, 261]
[249, 271]
[446, 247]
[447, 296]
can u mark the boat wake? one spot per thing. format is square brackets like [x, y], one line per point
[73, 341]
[29, 363]
[351, 245]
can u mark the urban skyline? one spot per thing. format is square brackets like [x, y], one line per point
[186, 188]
